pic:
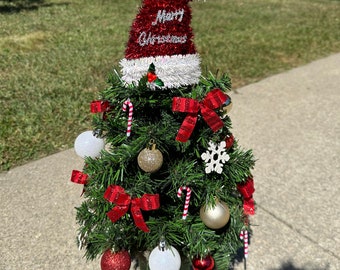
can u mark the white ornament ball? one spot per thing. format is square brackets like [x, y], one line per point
[88, 145]
[168, 259]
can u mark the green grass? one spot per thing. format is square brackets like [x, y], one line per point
[55, 57]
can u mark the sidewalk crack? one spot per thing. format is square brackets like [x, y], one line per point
[298, 231]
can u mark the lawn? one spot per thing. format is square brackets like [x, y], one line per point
[55, 56]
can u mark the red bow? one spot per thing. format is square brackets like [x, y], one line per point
[247, 189]
[117, 195]
[99, 106]
[79, 177]
[213, 100]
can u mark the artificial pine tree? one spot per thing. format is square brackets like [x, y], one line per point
[172, 183]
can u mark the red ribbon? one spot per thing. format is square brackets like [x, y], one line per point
[98, 106]
[213, 100]
[79, 177]
[247, 190]
[249, 206]
[117, 195]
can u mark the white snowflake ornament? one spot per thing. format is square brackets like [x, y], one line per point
[215, 157]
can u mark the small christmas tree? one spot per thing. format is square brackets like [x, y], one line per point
[162, 132]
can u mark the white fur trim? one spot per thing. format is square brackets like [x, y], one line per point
[174, 70]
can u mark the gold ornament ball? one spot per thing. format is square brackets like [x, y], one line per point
[215, 217]
[150, 160]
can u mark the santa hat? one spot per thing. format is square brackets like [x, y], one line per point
[161, 35]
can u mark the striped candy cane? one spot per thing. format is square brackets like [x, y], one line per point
[128, 103]
[244, 237]
[187, 199]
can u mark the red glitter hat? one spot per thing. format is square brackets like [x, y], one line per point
[161, 34]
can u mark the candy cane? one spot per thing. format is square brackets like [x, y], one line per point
[187, 200]
[128, 103]
[244, 237]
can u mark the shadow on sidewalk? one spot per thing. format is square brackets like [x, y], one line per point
[285, 265]
[290, 266]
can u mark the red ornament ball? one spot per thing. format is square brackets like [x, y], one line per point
[120, 260]
[206, 263]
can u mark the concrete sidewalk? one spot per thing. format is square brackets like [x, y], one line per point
[290, 120]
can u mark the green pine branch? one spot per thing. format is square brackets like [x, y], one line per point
[154, 120]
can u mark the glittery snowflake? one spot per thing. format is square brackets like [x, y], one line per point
[215, 157]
